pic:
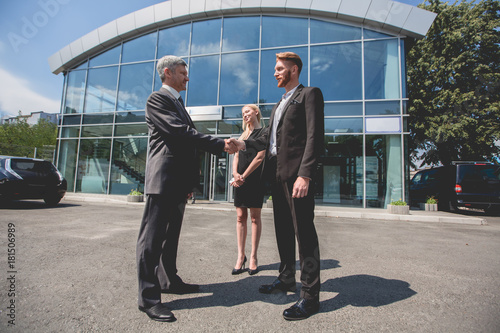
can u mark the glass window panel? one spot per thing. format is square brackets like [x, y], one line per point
[83, 65]
[96, 131]
[140, 49]
[203, 81]
[72, 120]
[75, 92]
[382, 70]
[230, 127]
[383, 170]
[70, 132]
[207, 127]
[241, 33]
[67, 161]
[325, 32]
[130, 117]
[370, 34]
[282, 31]
[403, 69]
[136, 84]
[174, 41]
[239, 78]
[382, 108]
[269, 91]
[344, 109]
[101, 89]
[344, 125]
[336, 69]
[110, 57]
[340, 172]
[128, 166]
[93, 166]
[405, 107]
[266, 110]
[232, 112]
[131, 130]
[206, 37]
[106, 118]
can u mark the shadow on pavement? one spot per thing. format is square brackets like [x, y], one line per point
[356, 290]
[31, 204]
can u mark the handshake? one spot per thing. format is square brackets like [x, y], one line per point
[233, 146]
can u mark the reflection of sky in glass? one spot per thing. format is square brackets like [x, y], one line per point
[101, 89]
[203, 81]
[174, 41]
[343, 109]
[206, 37]
[324, 32]
[381, 69]
[140, 49]
[239, 77]
[109, 57]
[281, 31]
[75, 92]
[381, 108]
[241, 33]
[344, 125]
[269, 91]
[336, 69]
[136, 83]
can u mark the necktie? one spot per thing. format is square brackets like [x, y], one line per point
[182, 101]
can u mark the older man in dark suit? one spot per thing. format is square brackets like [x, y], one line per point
[172, 171]
[294, 143]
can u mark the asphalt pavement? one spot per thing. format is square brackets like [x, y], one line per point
[73, 270]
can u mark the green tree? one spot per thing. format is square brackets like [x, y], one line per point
[454, 84]
[21, 139]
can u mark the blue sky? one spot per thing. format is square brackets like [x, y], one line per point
[32, 30]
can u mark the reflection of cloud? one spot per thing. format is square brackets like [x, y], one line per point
[242, 68]
[16, 95]
[321, 64]
[205, 48]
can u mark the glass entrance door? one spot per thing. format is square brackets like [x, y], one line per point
[219, 167]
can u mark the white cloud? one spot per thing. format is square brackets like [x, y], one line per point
[16, 94]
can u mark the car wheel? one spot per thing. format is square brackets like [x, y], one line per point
[52, 200]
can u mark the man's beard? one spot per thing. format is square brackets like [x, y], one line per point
[285, 79]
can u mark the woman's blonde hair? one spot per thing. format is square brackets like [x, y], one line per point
[246, 130]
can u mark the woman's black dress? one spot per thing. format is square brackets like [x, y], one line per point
[251, 193]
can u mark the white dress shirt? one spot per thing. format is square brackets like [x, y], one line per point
[277, 116]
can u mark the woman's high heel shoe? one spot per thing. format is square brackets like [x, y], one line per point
[240, 270]
[253, 271]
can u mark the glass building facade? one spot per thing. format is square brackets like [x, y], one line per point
[103, 137]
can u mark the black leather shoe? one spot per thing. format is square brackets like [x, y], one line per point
[277, 286]
[240, 270]
[159, 312]
[182, 288]
[304, 308]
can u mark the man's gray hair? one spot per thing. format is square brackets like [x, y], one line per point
[170, 62]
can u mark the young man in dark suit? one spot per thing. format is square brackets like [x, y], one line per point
[294, 142]
[172, 171]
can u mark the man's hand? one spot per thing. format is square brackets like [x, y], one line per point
[300, 187]
[229, 147]
[236, 144]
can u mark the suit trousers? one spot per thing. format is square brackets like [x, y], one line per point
[294, 218]
[157, 246]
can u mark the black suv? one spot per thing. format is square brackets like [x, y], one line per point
[29, 178]
[460, 185]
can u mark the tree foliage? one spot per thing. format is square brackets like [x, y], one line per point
[21, 139]
[454, 84]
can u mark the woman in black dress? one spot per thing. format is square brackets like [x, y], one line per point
[248, 189]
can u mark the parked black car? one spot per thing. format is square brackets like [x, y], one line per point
[460, 185]
[29, 178]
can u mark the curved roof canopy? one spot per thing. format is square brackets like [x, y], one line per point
[383, 15]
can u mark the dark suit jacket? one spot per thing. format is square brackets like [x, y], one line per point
[173, 163]
[299, 136]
